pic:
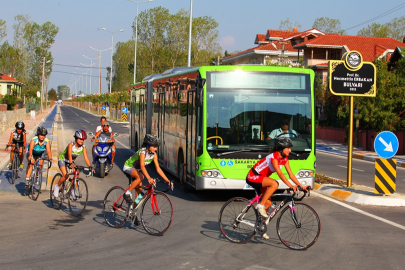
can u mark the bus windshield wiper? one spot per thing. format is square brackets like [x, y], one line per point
[238, 151]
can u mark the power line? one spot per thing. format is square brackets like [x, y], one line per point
[77, 66]
[379, 16]
[78, 74]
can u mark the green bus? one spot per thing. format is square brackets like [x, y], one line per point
[214, 121]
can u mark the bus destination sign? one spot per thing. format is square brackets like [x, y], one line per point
[351, 76]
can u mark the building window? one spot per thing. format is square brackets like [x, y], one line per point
[335, 54]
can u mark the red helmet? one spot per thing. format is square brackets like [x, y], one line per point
[80, 134]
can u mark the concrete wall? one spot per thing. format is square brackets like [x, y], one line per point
[9, 118]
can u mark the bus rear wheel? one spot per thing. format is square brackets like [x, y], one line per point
[181, 172]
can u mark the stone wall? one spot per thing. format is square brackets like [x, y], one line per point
[8, 118]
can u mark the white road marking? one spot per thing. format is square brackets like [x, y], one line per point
[123, 144]
[352, 168]
[80, 116]
[360, 211]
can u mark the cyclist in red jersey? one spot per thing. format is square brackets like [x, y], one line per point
[258, 176]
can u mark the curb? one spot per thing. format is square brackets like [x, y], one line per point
[400, 162]
[355, 196]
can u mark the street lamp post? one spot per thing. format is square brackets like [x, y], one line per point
[136, 32]
[99, 60]
[112, 49]
[91, 65]
[189, 34]
[88, 67]
[81, 76]
[43, 83]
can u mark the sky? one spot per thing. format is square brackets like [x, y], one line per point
[80, 24]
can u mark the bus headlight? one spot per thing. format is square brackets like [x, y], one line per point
[212, 173]
[305, 174]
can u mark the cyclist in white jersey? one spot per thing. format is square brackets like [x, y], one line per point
[69, 155]
[135, 166]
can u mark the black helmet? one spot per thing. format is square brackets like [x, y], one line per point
[152, 140]
[42, 131]
[19, 125]
[283, 142]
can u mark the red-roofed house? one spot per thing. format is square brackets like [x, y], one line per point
[7, 83]
[275, 45]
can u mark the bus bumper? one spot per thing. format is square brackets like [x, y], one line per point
[203, 183]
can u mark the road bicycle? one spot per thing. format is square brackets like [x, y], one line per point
[33, 186]
[15, 166]
[74, 189]
[298, 225]
[156, 209]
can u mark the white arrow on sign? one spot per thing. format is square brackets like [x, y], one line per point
[388, 147]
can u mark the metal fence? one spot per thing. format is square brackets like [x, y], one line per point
[30, 107]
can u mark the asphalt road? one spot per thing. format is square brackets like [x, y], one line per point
[363, 171]
[35, 236]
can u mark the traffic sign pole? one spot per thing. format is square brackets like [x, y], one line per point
[350, 149]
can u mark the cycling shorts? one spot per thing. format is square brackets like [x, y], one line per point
[36, 156]
[255, 181]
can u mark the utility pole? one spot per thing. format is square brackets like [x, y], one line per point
[42, 87]
[100, 71]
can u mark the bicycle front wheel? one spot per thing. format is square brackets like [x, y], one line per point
[237, 221]
[14, 168]
[36, 186]
[157, 213]
[115, 207]
[298, 228]
[77, 198]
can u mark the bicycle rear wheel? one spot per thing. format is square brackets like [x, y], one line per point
[78, 195]
[299, 228]
[14, 168]
[115, 216]
[56, 202]
[237, 221]
[157, 213]
[36, 186]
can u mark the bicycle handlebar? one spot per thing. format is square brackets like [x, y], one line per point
[81, 168]
[157, 180]
[302, 197]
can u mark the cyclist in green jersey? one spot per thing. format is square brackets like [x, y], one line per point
[135, 166]
[69, 155]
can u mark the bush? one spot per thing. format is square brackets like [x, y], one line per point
[11, 101]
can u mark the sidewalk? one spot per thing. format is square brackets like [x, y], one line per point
[358, 152]
[357, 193]
[30, 126]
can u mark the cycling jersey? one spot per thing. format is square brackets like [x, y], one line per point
[38, 149]
[18, 137]
[264, 167]
[134, 161]
[76, 151]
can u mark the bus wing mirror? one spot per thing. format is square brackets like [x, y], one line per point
[199, 93]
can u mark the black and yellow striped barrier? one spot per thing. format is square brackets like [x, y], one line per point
[124, 117]
[103, 112]
[385, 175]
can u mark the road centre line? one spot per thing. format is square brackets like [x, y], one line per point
[359, 211]
[352, 168]
[80, 116]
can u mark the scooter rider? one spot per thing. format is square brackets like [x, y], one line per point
[106, 133]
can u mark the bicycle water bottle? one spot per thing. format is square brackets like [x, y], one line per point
[271, 208]
[139, 198]
[69, 182]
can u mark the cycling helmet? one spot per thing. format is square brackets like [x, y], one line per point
[80, 134]
[283, 142]
[20, 125]
[42, 131]
[151, 140]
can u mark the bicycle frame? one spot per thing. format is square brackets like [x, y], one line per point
[150, 189]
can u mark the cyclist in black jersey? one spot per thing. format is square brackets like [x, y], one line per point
[18, 135]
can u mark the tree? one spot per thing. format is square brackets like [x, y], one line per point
[288, 25]
[3, 29]
[397, 28]
[63, 92]
[122, 58]
[20, 44]
[52, 95]
[375, 30]
[10, 59]
[328, 25]
[177, 51]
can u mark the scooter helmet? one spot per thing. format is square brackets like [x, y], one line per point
[80, 134]
[19, 125]
[151, 140]
[42, 131]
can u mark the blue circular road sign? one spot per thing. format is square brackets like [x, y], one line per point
[103, 108]
[386, 144]
[124, 110]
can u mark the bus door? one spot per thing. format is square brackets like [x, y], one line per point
[132, 142]
[190, 135]
[161, 122]
[142, 120]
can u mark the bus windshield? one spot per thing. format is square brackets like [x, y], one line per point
[244, 119]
